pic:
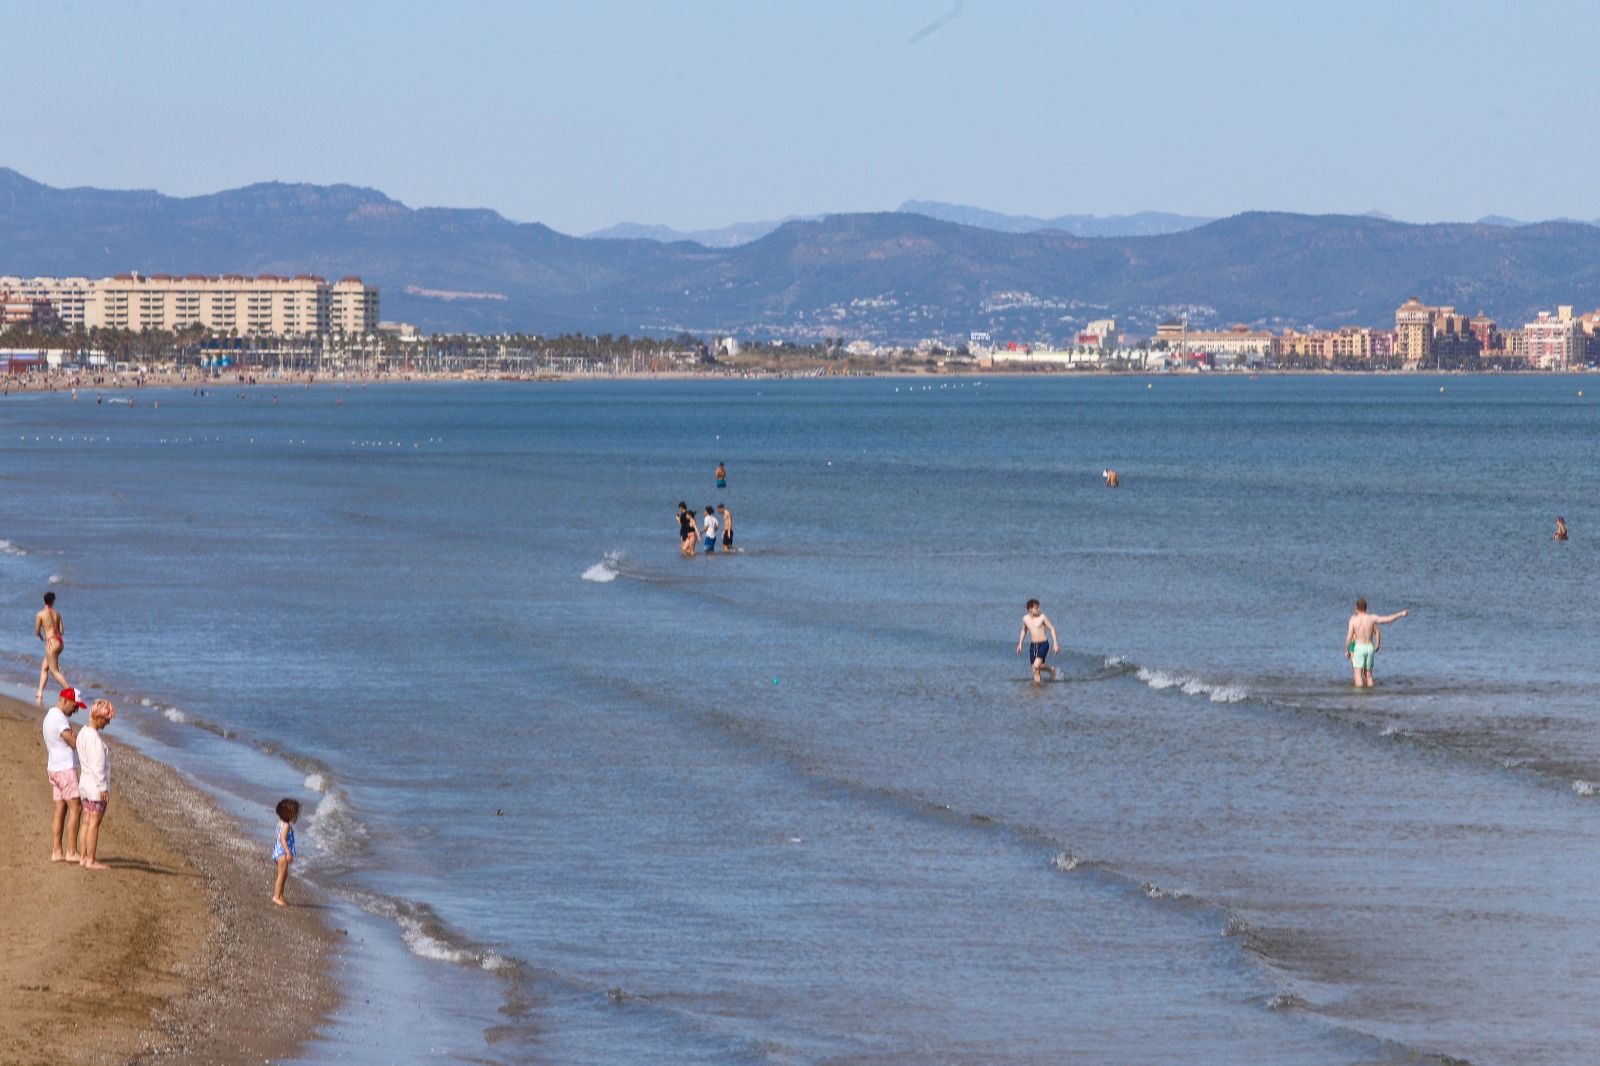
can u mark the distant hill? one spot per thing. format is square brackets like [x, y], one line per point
[891, 276]
[729, 236]
[1143, 224]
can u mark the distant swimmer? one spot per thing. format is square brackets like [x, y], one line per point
[710, 525]
[1561, 528]
[727, 526]
[1041, 635]
[1363, 638]
[688, 533]
[48, 627]
[722, 476]
[1112, 481]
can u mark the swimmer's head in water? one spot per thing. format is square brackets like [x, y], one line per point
[1361, 603]
[49, 599]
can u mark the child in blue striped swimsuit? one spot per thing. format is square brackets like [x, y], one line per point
[283, 846]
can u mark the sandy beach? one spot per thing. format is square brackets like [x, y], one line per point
[175, 953]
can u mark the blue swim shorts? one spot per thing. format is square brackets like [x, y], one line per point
[1038, 652]
[711, 544]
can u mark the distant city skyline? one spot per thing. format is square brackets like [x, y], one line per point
[705, 115]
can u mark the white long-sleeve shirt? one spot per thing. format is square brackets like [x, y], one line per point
[94, 765]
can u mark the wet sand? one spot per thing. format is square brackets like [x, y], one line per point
[176, 953]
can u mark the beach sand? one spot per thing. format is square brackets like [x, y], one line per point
[176, 954]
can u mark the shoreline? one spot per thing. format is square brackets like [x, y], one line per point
[132, 964]
[58, 382]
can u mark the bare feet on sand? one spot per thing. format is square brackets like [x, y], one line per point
[94, 866]
[280, 901]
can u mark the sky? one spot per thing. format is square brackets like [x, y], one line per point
[696, 115]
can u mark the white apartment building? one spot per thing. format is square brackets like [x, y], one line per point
[1554, 342]
[352, 307]
[303, 305]
[69, 296]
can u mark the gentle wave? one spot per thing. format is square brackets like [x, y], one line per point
[1155, 891]
[605, 570]
[1189, 685]
[426, 936]
[1065, 861]
[1585, 788]
[9, 548]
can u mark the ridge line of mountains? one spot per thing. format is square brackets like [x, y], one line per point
[893, 277]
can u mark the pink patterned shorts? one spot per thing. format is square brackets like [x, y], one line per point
[63, 784]
[97, 806]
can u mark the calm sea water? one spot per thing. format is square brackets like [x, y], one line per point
[584, 801]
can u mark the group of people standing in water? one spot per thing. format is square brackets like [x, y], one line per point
[696, 532]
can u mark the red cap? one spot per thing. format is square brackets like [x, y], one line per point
[71, 696]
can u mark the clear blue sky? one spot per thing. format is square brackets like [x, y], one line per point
[700, 114]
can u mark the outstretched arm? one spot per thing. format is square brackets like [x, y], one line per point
[1383, 619]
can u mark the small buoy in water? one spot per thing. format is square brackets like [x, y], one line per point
[1580, 392]
[499, 812]
[774, 681]
[1149, 385]
[1441, 388]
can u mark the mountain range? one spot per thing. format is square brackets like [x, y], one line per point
[892, 276]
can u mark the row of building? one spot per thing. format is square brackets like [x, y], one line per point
[263, 305]
[1423, 336]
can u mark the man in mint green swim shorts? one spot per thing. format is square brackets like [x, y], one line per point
[1363, 638]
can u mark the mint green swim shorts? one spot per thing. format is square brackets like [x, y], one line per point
[1361, 656]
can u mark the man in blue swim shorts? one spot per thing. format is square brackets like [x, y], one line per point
[1363, 638]
[1041, 635]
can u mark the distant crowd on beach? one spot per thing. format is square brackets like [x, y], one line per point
[695, 532]
[78, 765]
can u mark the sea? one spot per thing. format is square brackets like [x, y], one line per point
[578, 799]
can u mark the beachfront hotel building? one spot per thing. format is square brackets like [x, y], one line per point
[262, 305]
[1422, 332]
[1554, 342]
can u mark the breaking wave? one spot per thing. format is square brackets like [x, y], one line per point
[605, 570]
[1216, 692]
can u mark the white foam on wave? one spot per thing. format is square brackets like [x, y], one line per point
[172, 714]
[8, 548]
[316, 782]
[146, 702]
[605, 570]
[1066, 862]
[1585, 788]
[330, 824]
[1160, 680]
[56, 579]
[1155, 891]
[1394, 731]
[1285, 1001]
